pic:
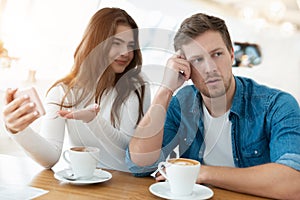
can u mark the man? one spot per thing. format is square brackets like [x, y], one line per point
[246, 135]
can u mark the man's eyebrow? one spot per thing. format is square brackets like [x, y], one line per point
[216, 49]
[194, 57]
[202, 54]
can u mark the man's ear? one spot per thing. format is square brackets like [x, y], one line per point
[232, 55]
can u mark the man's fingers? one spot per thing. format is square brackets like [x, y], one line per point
[181, 65]
[160, 178]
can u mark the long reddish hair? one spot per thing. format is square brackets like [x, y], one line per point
[91, 75]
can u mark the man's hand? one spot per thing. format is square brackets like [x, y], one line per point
[176, 72]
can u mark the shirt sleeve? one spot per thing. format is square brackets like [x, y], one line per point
[142, 171]
[45, 147]
[284, 117]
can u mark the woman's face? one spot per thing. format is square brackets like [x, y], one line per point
[121, 52]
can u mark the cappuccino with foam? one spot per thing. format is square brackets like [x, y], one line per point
[183, 161]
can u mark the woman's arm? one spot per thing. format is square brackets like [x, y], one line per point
[45, 147]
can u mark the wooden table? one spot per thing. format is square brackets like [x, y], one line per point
[23, 171]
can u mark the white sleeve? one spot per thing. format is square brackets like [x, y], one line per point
[45, 148]
[128, 118]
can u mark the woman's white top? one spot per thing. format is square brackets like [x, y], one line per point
[46, 147]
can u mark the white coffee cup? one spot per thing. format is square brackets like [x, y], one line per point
[83, 160]
[181, 174]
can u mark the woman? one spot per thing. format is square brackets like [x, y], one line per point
[100, 101]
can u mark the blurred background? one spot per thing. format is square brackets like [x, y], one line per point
[38, 37]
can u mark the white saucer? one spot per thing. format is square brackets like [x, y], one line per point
[99, 176]
[162, 189]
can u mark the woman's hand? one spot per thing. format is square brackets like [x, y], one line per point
[18, 113]
[86, 115]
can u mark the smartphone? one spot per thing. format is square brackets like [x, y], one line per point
[34, 97]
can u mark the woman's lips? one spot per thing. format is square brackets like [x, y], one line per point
[121, 62]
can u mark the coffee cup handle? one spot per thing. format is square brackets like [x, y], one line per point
[66, 156]
[161, 167]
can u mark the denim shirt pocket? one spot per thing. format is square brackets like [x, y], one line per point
[186, 139]
[256, 153]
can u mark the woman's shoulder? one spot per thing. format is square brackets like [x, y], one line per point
[59, 88]
[145, 77]
[56, 92]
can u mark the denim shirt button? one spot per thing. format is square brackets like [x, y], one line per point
[255, 152]
[236, 159]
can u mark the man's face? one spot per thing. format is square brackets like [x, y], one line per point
[211, 64]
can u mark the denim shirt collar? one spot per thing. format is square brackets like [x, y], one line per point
[238, 102]
[196, 107]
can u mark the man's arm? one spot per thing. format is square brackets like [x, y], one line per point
[269, 180]
[146, 143]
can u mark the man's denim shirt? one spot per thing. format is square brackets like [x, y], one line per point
[265, 127]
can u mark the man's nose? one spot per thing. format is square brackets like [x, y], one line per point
[209, 65]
